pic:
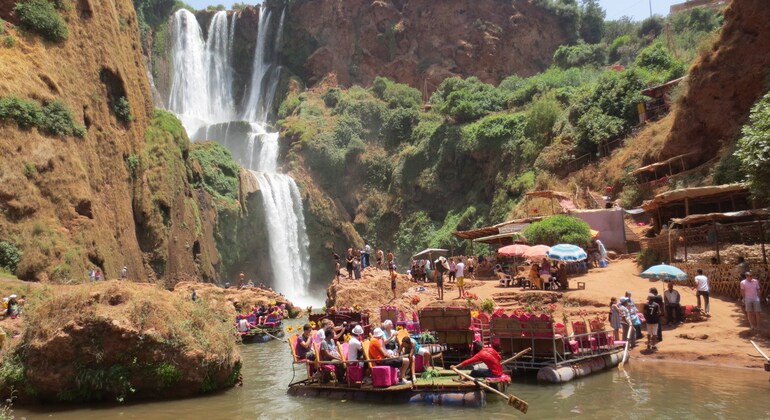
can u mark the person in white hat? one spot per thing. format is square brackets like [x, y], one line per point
[377, 352]
[355, 349]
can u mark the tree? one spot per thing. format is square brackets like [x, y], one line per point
[592, 22]
[754, 148]
[559, 229]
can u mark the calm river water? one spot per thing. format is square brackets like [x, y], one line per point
[648, 391]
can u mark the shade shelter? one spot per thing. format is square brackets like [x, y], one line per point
[684, 202]
[716, 229]
[430, 252]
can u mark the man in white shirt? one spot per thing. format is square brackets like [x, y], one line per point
[750, 291]
[355, 349]
[702, 286]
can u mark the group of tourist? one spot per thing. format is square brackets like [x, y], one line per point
[384, 348]
[625, 315]
[260, 315]
[357, 259]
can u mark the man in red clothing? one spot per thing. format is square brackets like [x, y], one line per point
[489, 357]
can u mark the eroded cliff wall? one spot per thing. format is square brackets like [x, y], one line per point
[418, 42]
[121, 194]
[723, 85]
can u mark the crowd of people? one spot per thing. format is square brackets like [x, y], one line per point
[384, 348]
[262, 315]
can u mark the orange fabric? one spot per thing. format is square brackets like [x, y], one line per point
[376, 350]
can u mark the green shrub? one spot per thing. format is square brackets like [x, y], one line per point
[396, 95]
[288, 106]
[10, 256]
[580, 55]
[25, 113]
[41, 16]
[332, 97]
[753, 149]
[220, 172]
[467, 100]
[649, 257]
[491, 133]
[541, 118]
[559, 229]
[398, 126]
[132, 162]
[488, 306]
[122, 110]
[56, 119]
[9, 41]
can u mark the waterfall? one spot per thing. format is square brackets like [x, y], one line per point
[201, 95]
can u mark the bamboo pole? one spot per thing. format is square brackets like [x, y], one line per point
[517, 355]
[513, 400]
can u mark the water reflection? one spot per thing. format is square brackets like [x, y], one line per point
[644, 391]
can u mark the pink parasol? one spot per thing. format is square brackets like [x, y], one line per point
[515, 250]
[537, 252]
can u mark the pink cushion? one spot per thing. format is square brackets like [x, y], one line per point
[394, 375]
[419, 364]
[382, 376]
[574, 346]
[355, 373]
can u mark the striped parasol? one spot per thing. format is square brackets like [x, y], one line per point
[566, 252]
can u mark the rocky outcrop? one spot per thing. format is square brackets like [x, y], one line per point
[109, 341]
[722, 86]
[121, 194]
[418, 42]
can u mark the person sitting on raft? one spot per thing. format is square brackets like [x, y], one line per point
[320, 335]
[390, 337]
[409, 348]
[377, 352]
[328, 352]
[304, 342]
[489, 357]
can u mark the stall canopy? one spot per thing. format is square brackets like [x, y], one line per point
[502, 233]
[430, 252]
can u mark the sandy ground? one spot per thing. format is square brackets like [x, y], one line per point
[721, 340]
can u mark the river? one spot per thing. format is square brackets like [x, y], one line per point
[648, 390]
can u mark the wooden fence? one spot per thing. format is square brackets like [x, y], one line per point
[724, 279]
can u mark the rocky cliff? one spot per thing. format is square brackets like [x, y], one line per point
[119, 195]
[418, 42]
[722, 85]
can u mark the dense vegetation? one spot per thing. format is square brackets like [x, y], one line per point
[410, 177]
[559, 229]
[42, 17]
[52, 118]
[753, 149]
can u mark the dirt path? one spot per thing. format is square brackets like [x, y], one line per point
[721, 340]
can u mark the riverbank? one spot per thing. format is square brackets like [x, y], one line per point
[721, 340]
[114, 341]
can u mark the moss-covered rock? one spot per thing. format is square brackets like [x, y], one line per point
[108, 342]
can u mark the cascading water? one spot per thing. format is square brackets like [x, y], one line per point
[201, 95]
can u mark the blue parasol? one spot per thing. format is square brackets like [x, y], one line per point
[664, 272]
[566, 252]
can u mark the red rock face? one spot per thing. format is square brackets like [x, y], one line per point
[723, 85]
[422, 42]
